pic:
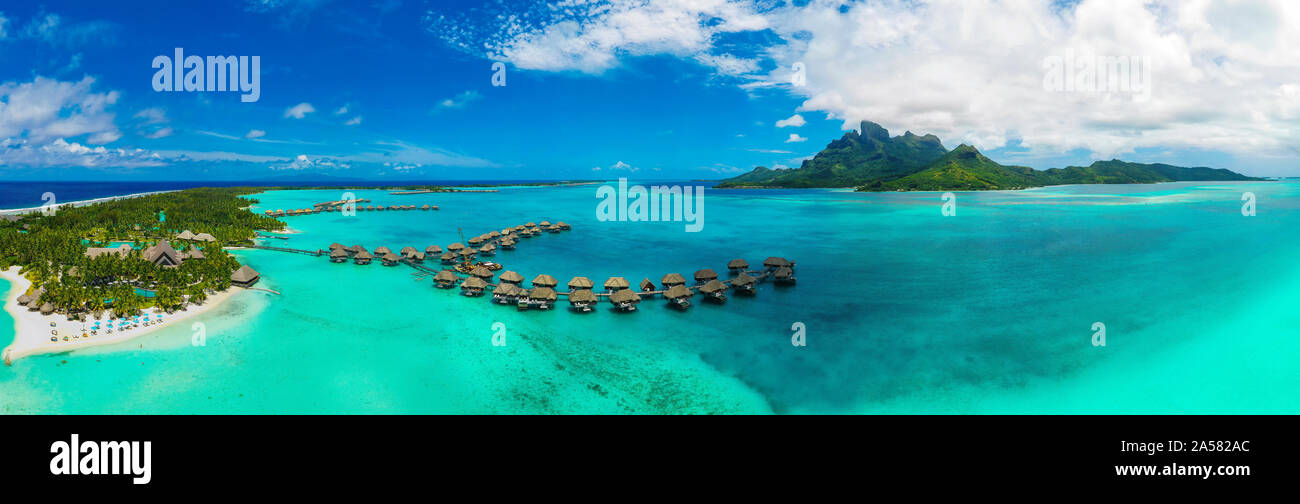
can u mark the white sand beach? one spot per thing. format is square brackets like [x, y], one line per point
[41, 334]
[16, 211]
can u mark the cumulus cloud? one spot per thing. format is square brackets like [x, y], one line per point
[4, 26]
[299, 111]
[341, 110]
[60, 152]
[303, 162]
[353, 121]
[794, 120]
[255, 133]
[794, 137]
[45, 109]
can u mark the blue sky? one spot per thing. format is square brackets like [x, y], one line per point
[402, 89]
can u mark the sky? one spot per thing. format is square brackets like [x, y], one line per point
[667, 89]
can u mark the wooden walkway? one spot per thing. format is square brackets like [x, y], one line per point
[316, 252]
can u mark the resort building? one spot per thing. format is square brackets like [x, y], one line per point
[163, 255]
[625, 300]
[616, 283]
[121, 250]
[245, 276]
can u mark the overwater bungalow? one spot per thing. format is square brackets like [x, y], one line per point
[481, 272]
[526, 233]
[336, 246]
[563, 225]
[408, 251]
[777, 262]
[519, 229]
[370, 207]
[744, 284]
[445, 279]
[391, 259]
[455, 247]
[506, 293]
[616, 283]
[467, 254]
[581, 283]
[530, 225]
[704, 275]
[417, 257]
[625, 300]
[737, 265]
[382, 251]
[362, 257]
[545, 280]
[245, 276]
[493, 235]
[672, 279]
[425, 207]
[488, 250]
[381, 207]
[448, 258]
[581, 300]
[507, 244]
[512, 277]
[433, 250]
[784, 275]
[542, 298]
[553, 229]
[715, 291]
[338, 255]
[679, 297]
[475, 241]
[647, 285]
[545, 224]
[473, 286]
[353, 250]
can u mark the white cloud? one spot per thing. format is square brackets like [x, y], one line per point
[60, 152]
[303, 162]
[794, 137]
[794, 120]
[45, 109]
[590, 36]
[299, 111]
[621, 166]
[4, 26]
[153, 115]
[353, 121]
[341, 110]
[255, 133]
[160, 133]
[460, 100]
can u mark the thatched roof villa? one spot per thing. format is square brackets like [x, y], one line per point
[737, 265]
[545, 280]
[338, 255]
[445, 279]
[245, 276]
[473, 286]
[512, 277]
[672, 279]
[647, 285]
[391, 259]
[714, 291]
[362, 257]
[433, 250]
[582, 300]
[705, 275]
[581, 282]
[163, 255]
[616, 283]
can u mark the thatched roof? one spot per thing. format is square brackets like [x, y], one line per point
[391, 257]
[467, 252]
[705, 275]
[624, 296]
[519, 228]
[545, 223]
[455, 246]
[382, 251]
[507, 241]
[34, 304]
[544, 280]
[448, 256]
[511, 277]
[743, 279]
[424, 207]
[531, 224]
[47, 309]
[24, 299]
[433, 249]
[678, 291]
[617, 283]
[185, 235]
[487, 248]
[162, 252]
[407, 250]
[562, 224]
[204, 237]
[419, 256]
[122, 250]
[337, 253]
[481, 272]
[508, 289]
[194, 253]
[543, 293]
[475, 241]
[775, 262]
[738, 264]
[582, 296]
[713, 286]
[244, 274]
[581, 283]
[337, 246]
[783, 272]
[646, 284]
[363, 255]
[446, 276]
[474, 283]
[356, 248]
[672, 279]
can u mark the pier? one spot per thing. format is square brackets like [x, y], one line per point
[316, 252]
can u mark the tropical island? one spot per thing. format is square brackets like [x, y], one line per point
[870, 160]
[112, 261]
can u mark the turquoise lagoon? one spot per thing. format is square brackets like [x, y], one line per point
[906, 311]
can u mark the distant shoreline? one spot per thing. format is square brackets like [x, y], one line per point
[15, 211]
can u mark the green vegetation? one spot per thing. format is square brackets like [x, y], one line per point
[873, 161]
[51, 250]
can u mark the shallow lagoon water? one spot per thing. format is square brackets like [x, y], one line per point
[907, 311]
